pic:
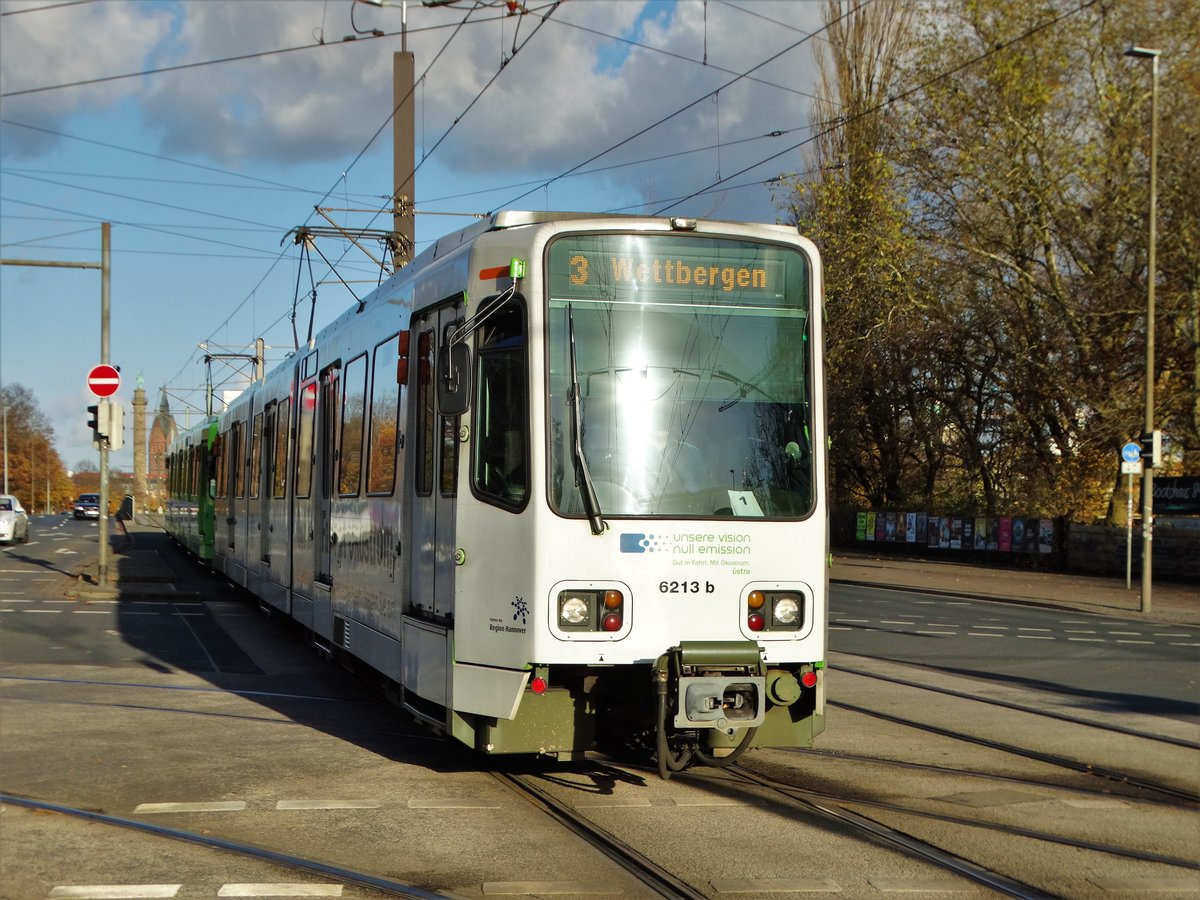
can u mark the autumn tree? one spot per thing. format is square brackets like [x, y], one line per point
[850, 207]
[1023, 160]
[33, 470]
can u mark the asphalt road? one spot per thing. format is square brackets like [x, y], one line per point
[1109, 666]
[184, 705]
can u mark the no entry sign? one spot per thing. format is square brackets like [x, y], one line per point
[103, 380]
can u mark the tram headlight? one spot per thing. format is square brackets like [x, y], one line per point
[574, 610]
[787, 611]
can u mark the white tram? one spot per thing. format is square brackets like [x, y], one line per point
[561, 481]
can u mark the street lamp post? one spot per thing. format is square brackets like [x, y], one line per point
[1151, 276]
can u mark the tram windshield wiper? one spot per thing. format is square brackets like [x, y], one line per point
[583, 478]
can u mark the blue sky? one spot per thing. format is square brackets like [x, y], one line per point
[204, 168]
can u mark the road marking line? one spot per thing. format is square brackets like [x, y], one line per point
[937, 632]
[48, 612]
[115, 891]
[984, 634]
[280, 889]
[1119, 641]
[1080, 630]
[994, 627]
[1088, 640]
[1036, 637]
[1023, 628]
[216, 806]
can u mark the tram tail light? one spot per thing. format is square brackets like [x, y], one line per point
[591, 610]
[774, 610]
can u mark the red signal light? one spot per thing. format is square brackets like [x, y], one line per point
[755, 621]
[809, 679]
[537, 685]
[611, 622]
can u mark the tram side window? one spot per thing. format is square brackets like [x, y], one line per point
[256, 456]
[304, 439]
[448, 480]
[235, 456]
[354, 397]
[282, 432]
[221, 454]
[383, 442]
[500, 467]
[425, 412]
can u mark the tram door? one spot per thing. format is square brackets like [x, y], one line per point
[327, 448]
[435, 482]
[261, 432]
[264, 518]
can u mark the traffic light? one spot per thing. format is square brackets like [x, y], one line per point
[116, 426]
[1152, 448]
[94, 422]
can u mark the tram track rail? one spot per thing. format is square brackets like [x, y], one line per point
[834, 809]
[1105, 792]
[809, 796]
[645, 870]
[341, 874]
[1114, 775]
[1005, 704]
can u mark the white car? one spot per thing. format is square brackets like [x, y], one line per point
[14, 522]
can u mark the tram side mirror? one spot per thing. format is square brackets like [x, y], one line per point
[454, 380]
[402, 361]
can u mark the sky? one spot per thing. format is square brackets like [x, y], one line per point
[205, 131]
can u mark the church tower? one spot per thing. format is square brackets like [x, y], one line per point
[139, 442]
[162, 432]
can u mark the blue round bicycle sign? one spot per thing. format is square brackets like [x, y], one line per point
[1131, 452]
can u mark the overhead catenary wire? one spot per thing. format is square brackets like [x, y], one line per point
[904, 95]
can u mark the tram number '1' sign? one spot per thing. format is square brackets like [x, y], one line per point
[103, 380]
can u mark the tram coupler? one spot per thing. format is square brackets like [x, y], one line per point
[714, 685]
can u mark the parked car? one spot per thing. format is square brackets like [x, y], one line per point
[87, 506]
[14, 521]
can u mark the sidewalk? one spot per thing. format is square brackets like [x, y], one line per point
[1169, 601]
[138, 567]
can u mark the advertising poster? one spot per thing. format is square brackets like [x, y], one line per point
[910, 527]
[944, 533]
[1031, 535]
[880, 526]
[968, 534]
[935, 531]
[993, 534]
[1006, 534]
[869, 529]
[922, 528]
[1018, 535]
[889, 528]
[860, 526]
[956, 532]
[981, 533]
[1045, 536]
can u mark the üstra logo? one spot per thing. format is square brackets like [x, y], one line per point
[634, 542]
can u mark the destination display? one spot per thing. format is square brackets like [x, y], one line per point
[653, 268]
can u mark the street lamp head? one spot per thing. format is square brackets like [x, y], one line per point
[1142, 52]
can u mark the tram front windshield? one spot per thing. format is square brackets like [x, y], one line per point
[691, 373]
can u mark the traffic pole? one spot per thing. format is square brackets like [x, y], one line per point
[102, 559]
